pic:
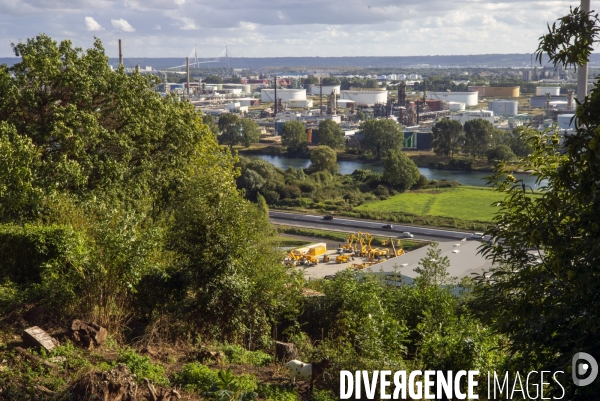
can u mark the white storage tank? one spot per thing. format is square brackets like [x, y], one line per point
[366, 97]
[564, 121]
[327, 89]
[456, 106]
[504, 107]
[468, 98]
[268, 95]
[543, 90]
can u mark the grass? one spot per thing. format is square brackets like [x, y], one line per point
[464, 203]
[408, 245]
[285, 241]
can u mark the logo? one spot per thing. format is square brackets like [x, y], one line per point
[579, 369]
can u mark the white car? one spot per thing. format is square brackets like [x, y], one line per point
[406, 234]
[477, 235]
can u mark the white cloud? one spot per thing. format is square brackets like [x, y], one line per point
[157, 27]
[92, 25]
[179, 2]
[187, 24]
[122, 25]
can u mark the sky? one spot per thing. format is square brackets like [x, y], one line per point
[284, 28]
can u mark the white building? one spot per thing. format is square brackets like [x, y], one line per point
[327, 89]
[468, 98]
[543, 90]
[468, 115]
[564, 121]
[504, 107]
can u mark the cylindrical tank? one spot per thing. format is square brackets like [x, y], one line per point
[552, 90]
[456, 106]
[468, 98]
[564, 121]
[366, 97]
[268, 95]
[327, 89]
[504, 107]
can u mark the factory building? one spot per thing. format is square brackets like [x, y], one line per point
[540, 101]
[468, 98]
[564, 121]
[497, 91]
[504, 107]
[543, 90]
[469, 115]
[365, 97]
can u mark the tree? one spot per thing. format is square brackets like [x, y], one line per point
[478, 136]
[213, 79]
[323, 158]
[399, 171]
[543, 289]
[294, 137]
[433, 268]
[501, 153]
[250, 131]
[331, 81]
[230, 130]
[447, 137]
[380, 136]
[331, 134]
[210, 122]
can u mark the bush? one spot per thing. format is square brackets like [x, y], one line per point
[196, 377]
[237, 354]
[300, 202]
[421, 182]
[277, 393]
[142, 367]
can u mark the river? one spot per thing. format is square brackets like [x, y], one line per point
[474, 178]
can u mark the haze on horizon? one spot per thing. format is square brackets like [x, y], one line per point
[285, 28]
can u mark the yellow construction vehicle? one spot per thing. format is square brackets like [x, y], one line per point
[348, 246]
[400, 250]
[326, 258]
[342, 259]
[310, 260]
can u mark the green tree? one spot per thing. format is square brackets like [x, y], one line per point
[478, 136]
[331, 134]
[323, 158]
[331, 81]
[447, 137]
[294, 137]
[542, 290]
[210, 122]
[379, 136]
[250, 131]
[230, 130]
[501, 153]
[213, 79]
[433, 268]
[399, 171]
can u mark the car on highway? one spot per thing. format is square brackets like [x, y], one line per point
[477, 236]
[387, 226]
[328, 217]
[406, 234]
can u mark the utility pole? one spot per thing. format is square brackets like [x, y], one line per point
[582, 73]
[275, 101]
[120, 54]
[321, 94]
[187, 70]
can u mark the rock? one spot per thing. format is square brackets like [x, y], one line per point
[89, 334]
[35, 337]
[208, 355]
[285, 351]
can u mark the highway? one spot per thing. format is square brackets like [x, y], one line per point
[373, 227]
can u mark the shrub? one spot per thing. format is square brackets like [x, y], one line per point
[237, 354]
[277, 393]
[142, 367]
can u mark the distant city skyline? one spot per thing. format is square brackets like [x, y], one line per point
[285, 28]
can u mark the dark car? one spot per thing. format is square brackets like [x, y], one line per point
[328, 217]
[387, 226]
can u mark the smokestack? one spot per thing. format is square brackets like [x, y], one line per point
[275, 101]
[321, 94]
[582, 73]
[120, 53]
[187, 71]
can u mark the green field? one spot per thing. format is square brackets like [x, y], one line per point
[465, 203]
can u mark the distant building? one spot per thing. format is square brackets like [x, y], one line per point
[468, 98]
[497, 91]
[504, 107]
[469, 115]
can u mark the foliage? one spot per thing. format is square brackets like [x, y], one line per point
[230, 130]
[331, 81]
[331, 134]
[277, 393]
[323, 158]
[379, 136]
[501, 153]
[142, 367]
[478, 136]
[213, 79]
[513, 139]
[250, 131]
[433, 268]
[196, 377]
[210, 122]
[294, 137]
[447, 137]
[237, 354]
[399, 171]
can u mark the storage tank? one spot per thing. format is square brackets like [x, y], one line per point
[327, 89]
[552, 90]
[366, 97]
[468, 98]
[456, 106]
[504, 107]
[268, 95]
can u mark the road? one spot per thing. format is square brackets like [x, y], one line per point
[373, 227]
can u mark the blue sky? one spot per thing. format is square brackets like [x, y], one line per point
[261, 28]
